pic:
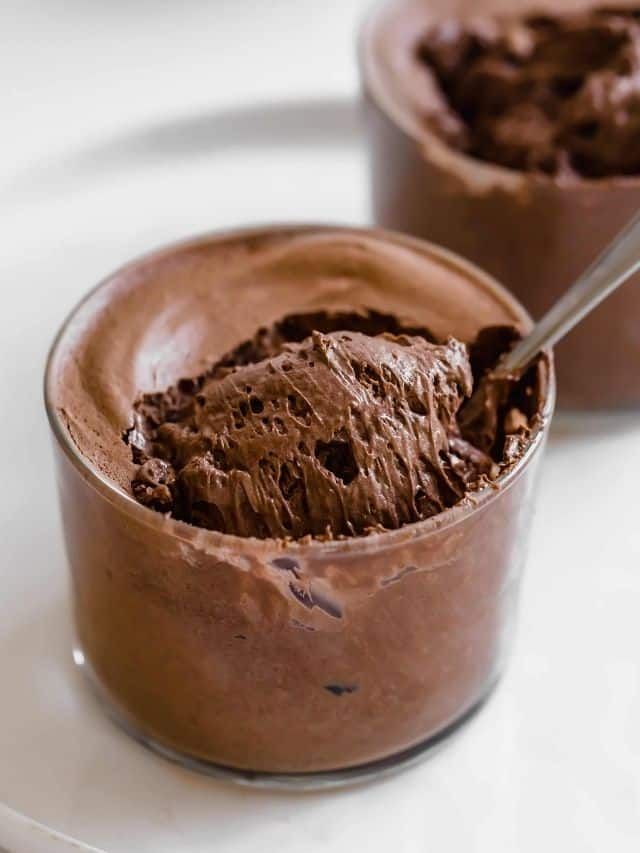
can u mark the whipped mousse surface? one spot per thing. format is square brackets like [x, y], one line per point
[292, 654]
[326, 423]
[331, 424]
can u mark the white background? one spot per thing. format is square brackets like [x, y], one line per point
[128, 123]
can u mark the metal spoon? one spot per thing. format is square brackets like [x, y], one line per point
[613, 267]
[479, 416]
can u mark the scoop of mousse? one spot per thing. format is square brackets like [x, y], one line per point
[301, 432]
[539, 93]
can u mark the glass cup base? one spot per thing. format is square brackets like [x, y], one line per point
[311, 781]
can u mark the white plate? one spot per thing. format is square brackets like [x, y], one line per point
[552, 762]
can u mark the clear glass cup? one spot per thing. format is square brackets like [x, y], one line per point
[316, 664]
[534, 233]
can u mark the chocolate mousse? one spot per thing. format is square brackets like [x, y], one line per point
[537, 93]
[303, 558]
[301, 432]
[509, 132]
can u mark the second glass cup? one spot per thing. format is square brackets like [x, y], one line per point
[535, 233]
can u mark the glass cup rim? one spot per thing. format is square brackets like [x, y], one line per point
[210, 540]
[420, 133]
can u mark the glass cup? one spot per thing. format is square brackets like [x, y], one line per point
[534, 233]
[304, 665]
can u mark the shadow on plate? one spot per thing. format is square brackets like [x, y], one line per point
[577, 427]
[325, 122]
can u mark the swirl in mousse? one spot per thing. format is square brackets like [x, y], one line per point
[290, 558]
[510, 133]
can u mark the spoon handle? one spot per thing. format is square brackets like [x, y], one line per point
[613, 267]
